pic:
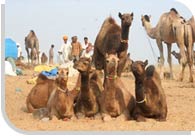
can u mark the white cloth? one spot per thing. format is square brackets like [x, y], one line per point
[84, 46]
[19, 51]
[87, 54]
[66, 52]
[8, 69]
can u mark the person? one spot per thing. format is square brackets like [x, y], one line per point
[51, 55]
[88, 52]
[19, 50]
[76, 49]
[65, 51]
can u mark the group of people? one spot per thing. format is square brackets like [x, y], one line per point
[71, 51]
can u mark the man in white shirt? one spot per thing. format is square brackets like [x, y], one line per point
[19, 50]
[65, 51]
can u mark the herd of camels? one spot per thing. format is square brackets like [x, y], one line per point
[171, 28]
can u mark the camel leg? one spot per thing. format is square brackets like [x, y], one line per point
[183, 61]
[169, 60]
[28, 55]
[124, 116]
[190, 61]
[160, 47]
[106, 117]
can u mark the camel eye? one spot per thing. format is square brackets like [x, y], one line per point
[107, 61]
[67, 73]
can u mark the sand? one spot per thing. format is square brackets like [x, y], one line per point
[180, 100]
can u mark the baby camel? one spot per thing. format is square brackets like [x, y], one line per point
[115, 100]
[87, 101]
[150, 96]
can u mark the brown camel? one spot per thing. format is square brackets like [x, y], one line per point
[165, 32]
[115, 100]
[87, 102]
[44, 58]
[112, 39]
[61, 101]
[32, 42]
[150, 96]
[40, 93]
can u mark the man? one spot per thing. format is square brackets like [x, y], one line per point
[88, 52]
[19, 50]
[76, 49]
[51, 55]
[65, 51]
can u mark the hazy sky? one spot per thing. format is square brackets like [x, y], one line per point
[52, 19]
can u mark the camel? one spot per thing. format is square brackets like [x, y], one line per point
[181, 26]
[61, 101]
[44, 58]
[165, 32]
[115, 100]
[32, 42]
[112, 39]
[150, 96]
[87, 101]
[40, 93]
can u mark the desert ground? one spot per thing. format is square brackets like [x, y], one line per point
[180, 98]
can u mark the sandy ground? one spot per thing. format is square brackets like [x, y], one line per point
[180, 100]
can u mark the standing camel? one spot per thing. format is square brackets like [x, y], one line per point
[113, 39]
[32, 42]
[164, 32]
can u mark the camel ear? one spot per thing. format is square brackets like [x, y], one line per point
[120, 15]
[132, 14]
[146, 62]
[128, 55]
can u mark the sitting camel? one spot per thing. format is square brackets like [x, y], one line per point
[61, 100]
[150, 96]
[87, 101]
[40, 93]
[115, 100]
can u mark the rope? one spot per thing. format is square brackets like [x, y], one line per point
[154, 55]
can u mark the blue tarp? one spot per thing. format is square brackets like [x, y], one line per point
[11, 49]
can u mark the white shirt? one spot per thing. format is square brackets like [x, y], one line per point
[84, 46]
[66, 51]
[19, 51]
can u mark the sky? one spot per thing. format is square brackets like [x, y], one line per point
[52, 19]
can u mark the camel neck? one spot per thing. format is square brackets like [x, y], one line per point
[150, 30]
[139, 89]
[125, 33]
[84, 82]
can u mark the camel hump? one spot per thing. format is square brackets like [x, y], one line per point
[150, 71]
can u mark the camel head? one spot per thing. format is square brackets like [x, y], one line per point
[145, 19]
[138, 68]
[126, 19]
[62, 78]
[83, 65]
[111, 64]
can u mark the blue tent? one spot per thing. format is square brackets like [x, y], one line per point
[11, 49]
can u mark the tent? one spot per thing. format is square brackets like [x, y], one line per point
[11, 49]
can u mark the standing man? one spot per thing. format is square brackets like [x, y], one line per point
[19, 50]
[76, 48]
[51, 55]
[65, 51]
